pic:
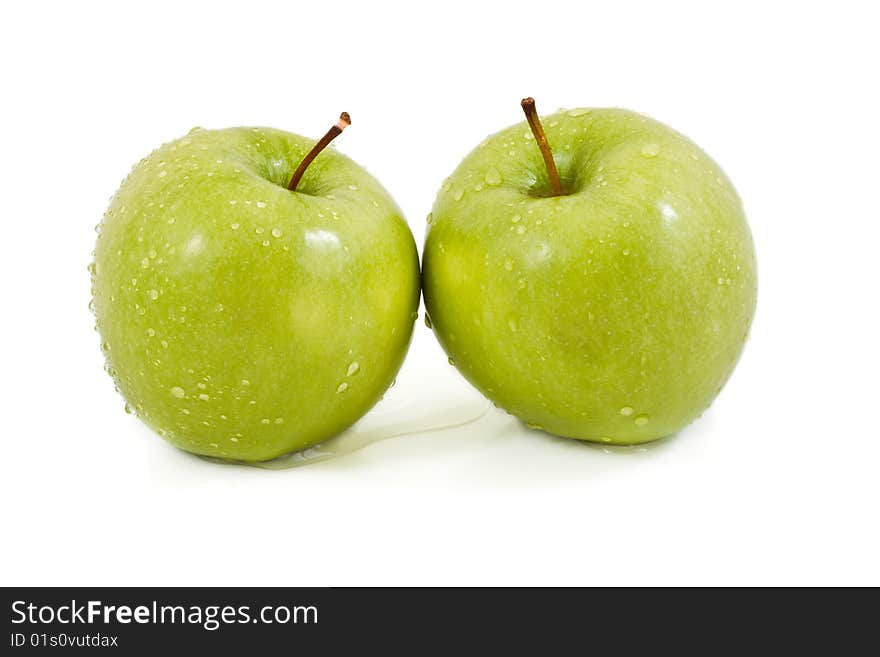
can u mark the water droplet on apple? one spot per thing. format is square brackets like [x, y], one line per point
[458, 194]
[195, 129]
[235, 225]
[154, 294]
[265, 420]
[353, 187]
[127, 409]
[204, 397]
[429, 218]
[260, 204]
[651, 150]
[513, 323]
[450, 361]
[641, 420]
[145, 263]
[177, 391]
[534, 427]
[626, 411]
[520, 229]
[277, 232]
[580, 111]
[493, 177]
[258, 230]
[342, 387]
[428, 321]
[508, 264]
[353, 369]
[516, 218]
[163, 173]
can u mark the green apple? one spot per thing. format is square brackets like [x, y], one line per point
[614, 311]
[243, 320]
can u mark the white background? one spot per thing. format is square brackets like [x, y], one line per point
[776, 484]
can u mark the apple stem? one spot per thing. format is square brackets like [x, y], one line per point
[334, 131]
[528, 105]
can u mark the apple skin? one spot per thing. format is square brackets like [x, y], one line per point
[239, 319]
[614, 313]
